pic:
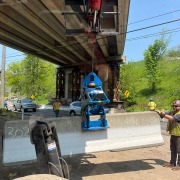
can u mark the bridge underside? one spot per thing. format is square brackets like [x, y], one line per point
[56, 31]
[69, 82]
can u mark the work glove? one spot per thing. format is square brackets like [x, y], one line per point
[161, 113]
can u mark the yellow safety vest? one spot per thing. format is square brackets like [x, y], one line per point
[56, 105]
[152, 105]
[173, 127]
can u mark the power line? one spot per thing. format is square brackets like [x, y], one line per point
[160, 24]
[135, 38]
[144, 36]
[147, 27]
[153, 17]
[155, 34]
[151, 35]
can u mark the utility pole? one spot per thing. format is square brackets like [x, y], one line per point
[3, 76]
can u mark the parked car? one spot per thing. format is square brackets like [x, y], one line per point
[75, 108]
[25, 104]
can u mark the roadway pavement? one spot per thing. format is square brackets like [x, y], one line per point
[46, 111]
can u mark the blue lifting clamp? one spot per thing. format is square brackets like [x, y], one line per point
[93, 98]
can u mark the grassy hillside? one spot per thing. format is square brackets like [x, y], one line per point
[167, 90]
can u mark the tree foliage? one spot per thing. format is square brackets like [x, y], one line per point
[174, 52]
[152, 56]
[31, 76]
[167, 91]
[127, 83]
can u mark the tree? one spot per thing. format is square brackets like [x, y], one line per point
[127, 83]
[13, 76]
[174, 52]
[32, 76]
[152, 56]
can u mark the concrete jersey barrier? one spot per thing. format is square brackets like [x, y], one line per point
[127, 131]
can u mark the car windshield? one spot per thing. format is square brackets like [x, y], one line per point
[26, 100]
[99, 96]
[77, 104]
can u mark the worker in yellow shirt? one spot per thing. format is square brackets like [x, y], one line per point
[56, 107]
[151, 105]
[173, 127]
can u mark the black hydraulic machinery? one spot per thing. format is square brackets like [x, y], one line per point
[44, 136]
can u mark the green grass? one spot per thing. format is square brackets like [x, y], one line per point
[9, 114]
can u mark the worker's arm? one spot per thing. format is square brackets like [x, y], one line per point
[169, 117]
[164, 115]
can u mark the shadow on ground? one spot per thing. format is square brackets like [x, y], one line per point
[80, 166]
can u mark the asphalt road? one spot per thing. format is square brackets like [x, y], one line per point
[46, 113]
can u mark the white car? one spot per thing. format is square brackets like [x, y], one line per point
[75, 108]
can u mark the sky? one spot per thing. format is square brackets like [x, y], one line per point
[150, 13]
[142, 14]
